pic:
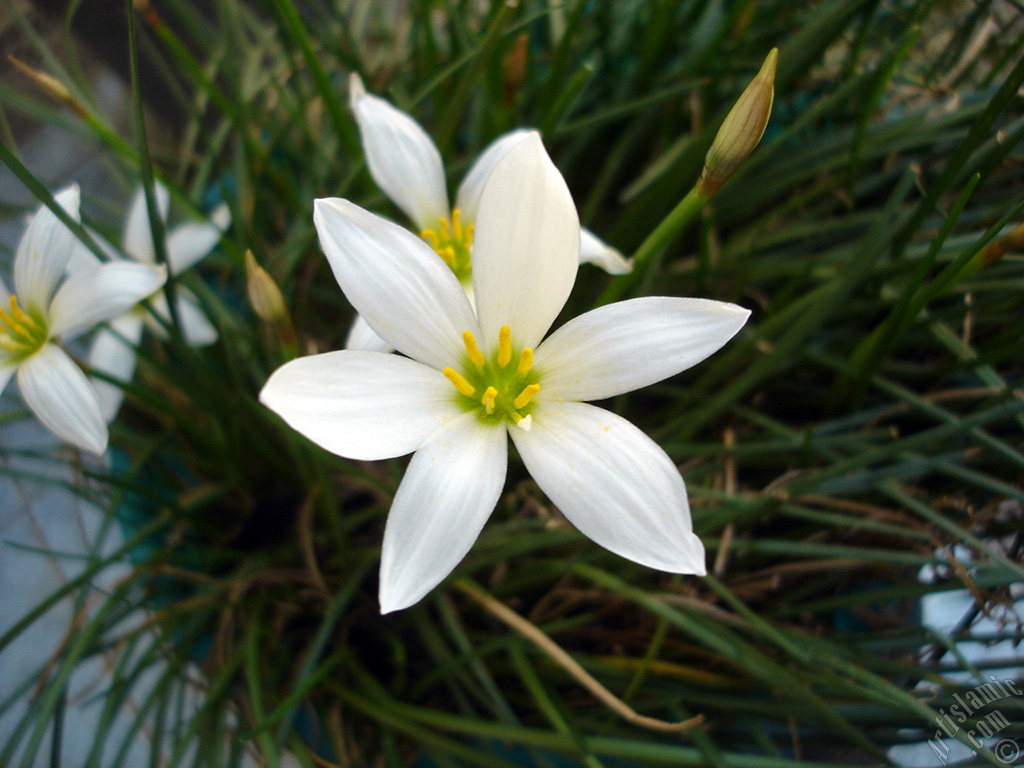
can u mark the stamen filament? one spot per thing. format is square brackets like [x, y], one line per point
[488, 399]
[19, 332]
[431, 237]
[6, 342]
[526, 396]
[525, 360]
[18, 312]
[472, 349]
[459, 381]
[504, 346]
[457, 223]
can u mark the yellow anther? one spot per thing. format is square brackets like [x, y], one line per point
[19, 332]
[9, 321]
[525, 360]
[460, 383]
[470, 230]
[18, 312]
[526, 396]
[457, 224]
[488, 399]
[431, 237]
[445, 232]
[448, 254]
[504, 346]
[472, 349]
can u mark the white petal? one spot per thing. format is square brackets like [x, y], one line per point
[449, 490]
[83, 259]
[613, 483]
[62, 398]
[403, 159]
[113, 353]
[361, 336]
[632, 344]
[7, 369]
[43, 252]
[409, 297]
[195, 326]
[189, 243]
[361, 405]
[96, 295]
[526, 247]
[138, 234]
[468, 198]
[593, 250]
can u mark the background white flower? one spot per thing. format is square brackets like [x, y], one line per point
[35, 319]
[470, 377]
[113, 348]
[407, 166]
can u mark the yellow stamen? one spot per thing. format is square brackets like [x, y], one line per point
[9, 321]
[525, 360]
[488, 399]
[457, 223]
[445, 232]
[431, 237]
[448, 254]
[526, 396]
[504, 346]
[460, 383]
[470, 231]
[19, 331]
[472, 349]
[18, 312]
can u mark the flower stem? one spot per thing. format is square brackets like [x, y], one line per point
[663, 234]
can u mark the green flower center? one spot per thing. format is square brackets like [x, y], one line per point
[20, 333]
[498, 389]
[454, 244]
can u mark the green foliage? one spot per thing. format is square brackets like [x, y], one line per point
[865, 425]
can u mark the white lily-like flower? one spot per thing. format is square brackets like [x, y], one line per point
[113, 348]
[407, 166]
[38, 316]
[469, 376]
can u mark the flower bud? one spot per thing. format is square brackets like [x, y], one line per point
[742, 129]
[264, 295]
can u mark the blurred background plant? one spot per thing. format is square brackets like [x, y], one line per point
[856, 449]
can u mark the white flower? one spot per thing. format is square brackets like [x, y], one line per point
[407, 166]
[471, 376]
[35, 319]
[113, 348]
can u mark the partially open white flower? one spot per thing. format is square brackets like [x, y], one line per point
[469, 377]
[407, 166]
[35, 319]
[113, 348]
